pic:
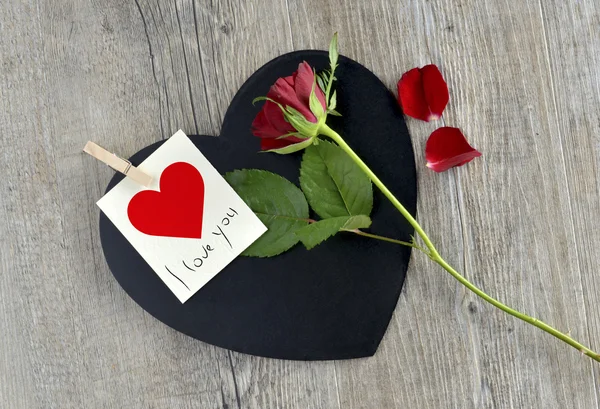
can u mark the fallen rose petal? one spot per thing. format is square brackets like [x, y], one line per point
[423, 93]
[436, 91]
[446, 148]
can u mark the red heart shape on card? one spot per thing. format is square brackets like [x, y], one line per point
[176, 210]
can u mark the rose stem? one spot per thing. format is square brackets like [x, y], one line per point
[435, 256]
[382, 238]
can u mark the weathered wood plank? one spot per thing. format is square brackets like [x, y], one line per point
[516, 202]
[143, 73]
[75, 71]
[512, 206]
[573, 58]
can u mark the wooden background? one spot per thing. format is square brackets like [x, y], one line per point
[521, 222]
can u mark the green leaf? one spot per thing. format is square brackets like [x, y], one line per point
[292, 148]
[333, 51]
[334, 112]
[333, 101]
[357, 222]
[324, 75]
[277, 202]
[321, 83]
[333, 184]
[316, 233]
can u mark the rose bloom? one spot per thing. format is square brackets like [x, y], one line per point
[293, 91]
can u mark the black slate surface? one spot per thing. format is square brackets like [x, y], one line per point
[333, 302]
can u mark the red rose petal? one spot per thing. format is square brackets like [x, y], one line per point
[304, 79]
[447, 147]
[274, 116]
[411, 95]
[436, 91]
[285, 94]
[262, 128]
[290, 80]
[423, 93]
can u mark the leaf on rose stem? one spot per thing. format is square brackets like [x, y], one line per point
[316, 233]
[333, 51]
[333, 184]
[326, 77]
[277, 202]
[321, 83]
[333, 101]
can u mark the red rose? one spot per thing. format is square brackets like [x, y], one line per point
[293, 92]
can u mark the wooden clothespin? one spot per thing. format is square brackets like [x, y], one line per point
[117, 163]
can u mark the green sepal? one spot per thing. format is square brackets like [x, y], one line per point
[300, 123]
[315, 105]
[294, 134]
[292, 148]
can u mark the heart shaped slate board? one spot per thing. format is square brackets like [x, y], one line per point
[332, 302]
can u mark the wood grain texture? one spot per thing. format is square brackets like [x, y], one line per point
[520, 222]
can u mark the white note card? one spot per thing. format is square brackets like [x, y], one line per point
[189, 224]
